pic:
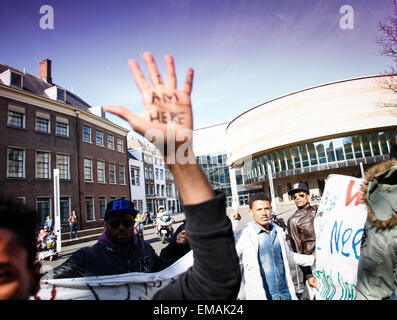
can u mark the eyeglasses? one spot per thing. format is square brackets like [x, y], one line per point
[114, 224]
[300, 194]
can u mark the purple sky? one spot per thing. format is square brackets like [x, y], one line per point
[243, 52]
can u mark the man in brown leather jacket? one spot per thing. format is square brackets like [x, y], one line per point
[300, 227]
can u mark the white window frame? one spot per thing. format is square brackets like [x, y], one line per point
[47, 173]
[23, 163]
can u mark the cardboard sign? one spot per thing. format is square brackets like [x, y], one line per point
[339, 227]
[127, 286]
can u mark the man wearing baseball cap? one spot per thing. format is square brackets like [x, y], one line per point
[300, 227]
[117, 251]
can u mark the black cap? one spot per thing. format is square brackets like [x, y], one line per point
[120, 206]
[298, 187]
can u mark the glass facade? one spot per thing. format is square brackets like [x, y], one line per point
[320, 155]
[217, 171]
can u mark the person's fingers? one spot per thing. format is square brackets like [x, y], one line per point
[187, 88]
[154, 73]
[124, 113]
[140, 79]
[170, 67]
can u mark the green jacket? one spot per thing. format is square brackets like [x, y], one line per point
[377, 268]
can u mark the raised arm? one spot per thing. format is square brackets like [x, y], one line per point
[167, 122]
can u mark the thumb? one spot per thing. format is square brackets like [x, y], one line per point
[124, 113]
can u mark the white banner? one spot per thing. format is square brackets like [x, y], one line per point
[127, 286]
[339, 226]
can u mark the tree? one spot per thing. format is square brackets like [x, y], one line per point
[388, 43]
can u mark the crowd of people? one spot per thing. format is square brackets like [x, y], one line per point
[252, 263]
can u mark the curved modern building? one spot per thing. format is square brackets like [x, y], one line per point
[310, 134]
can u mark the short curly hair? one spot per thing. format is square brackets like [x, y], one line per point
[258, 196]
[23, 222]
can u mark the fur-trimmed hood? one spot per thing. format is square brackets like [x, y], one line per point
[380, 181]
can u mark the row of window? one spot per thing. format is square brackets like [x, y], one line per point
[169, 193]
[17, 119]
[101, 172]
[327, 151]
[16, 164]
[16, 167]
[100, 139]
[44, 207]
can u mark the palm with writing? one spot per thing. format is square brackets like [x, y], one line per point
[167, 111]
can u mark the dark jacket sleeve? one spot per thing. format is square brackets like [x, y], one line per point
[173, 250]
[215, 273]
[71, 268]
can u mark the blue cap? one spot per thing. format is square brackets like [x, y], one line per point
[120, 206]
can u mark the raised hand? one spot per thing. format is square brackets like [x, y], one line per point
[167, 117]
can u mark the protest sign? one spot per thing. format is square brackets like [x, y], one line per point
[127, 286]
[339, 227]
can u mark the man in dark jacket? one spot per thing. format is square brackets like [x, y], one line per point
[117, 251]
[300, 227]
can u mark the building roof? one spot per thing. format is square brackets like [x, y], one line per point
[37, 85]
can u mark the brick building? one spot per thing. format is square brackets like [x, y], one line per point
[44, 126]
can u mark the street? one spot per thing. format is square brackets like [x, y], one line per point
[151, 237]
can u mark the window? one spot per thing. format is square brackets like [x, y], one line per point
[348, 145]
[280, 192]
[321, 152]
[101, 171]
[61, 94]
[330, 150]
[43, 169]
[62, 129]
[112, 173]
[86, 133]
[16, 79]
[16, 163]
[161, 174]
[43, 206]
[120, 145]
[150, 173]
[88, 170]
[295, 157]
[338, 145]
[16, 119]
[102, 207]
[303, 152]
[312, 154]
[99, 138]
[366, 147]
[162, 190]
[110, 141]
[146, 173]
[42, 125]
[134, 172]
[63, 164]
[89, 208]
[157, 173]
[65, 209]
[375, 144]
[383, 142]
[122, 174]
[357, 147]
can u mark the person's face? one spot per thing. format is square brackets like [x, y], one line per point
[261, 212]
[301, 199]
[120, 228]
[17, 281]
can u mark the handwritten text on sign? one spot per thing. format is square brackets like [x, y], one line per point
[339, 226]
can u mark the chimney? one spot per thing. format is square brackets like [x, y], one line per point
[45, 70]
